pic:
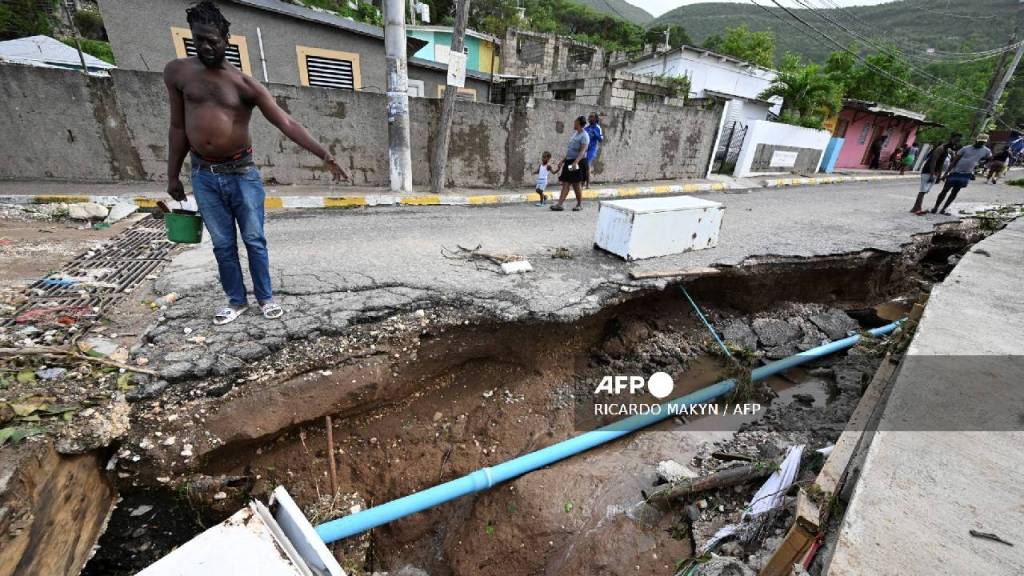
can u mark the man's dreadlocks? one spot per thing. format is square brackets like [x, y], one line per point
[206, 12]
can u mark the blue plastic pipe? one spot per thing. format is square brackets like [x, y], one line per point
[487, 477]
[706, 323]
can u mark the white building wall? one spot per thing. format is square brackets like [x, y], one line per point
[778, 134]
[709, 72]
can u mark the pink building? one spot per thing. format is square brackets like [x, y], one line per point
[860, 123]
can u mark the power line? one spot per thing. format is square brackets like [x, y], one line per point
[927, 54]
[885, 50]
[869, 65]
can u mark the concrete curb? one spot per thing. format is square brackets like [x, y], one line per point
[355, 201]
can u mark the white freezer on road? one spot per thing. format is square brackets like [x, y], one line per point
[650, 227]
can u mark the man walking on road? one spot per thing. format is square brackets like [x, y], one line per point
[961, 170]
[211, 105]
[596, 136]
[933, 167]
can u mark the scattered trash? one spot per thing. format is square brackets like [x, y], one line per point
[989, 536]
[166, 299]
[50, 373]
[562, 253]
[672, 471]
[471, 254]
[98, 347]
[693, 485]
[120, 211]
[87, 211]
[54, 315]
[730, 457]
[59, 282]
[145, 508]
[517, 267]
[770, 497]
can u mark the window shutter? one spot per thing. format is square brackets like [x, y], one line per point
[330, 72]
[231, 54]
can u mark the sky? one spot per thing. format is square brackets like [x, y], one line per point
[659, 7]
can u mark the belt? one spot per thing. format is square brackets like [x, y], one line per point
[236, 164]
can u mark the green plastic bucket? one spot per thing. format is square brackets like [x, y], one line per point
[184, 228]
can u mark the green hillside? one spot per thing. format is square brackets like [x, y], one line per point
[950, 27]
[619, 8]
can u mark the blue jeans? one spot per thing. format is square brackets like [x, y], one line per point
[224, 200]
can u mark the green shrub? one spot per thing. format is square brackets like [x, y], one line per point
[90, 25]
[97, 48]
[20, 18]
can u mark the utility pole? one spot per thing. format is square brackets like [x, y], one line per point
[78, 42]
[1000, 76]
[399, 155]
[439, 162]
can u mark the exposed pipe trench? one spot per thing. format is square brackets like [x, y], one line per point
[489, 476]
[447, 370]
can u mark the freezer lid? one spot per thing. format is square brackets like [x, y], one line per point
[662, 204]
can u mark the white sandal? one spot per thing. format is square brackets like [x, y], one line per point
[271, 310]
[228, 315]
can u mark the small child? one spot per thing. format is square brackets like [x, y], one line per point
[542, 176]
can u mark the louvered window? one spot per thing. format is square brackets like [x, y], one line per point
[232, 53]
[330, 72]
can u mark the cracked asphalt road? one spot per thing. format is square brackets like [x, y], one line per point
[330, 267]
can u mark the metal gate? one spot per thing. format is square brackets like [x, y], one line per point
[729, 147]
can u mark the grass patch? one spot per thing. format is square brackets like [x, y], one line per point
[97, 48]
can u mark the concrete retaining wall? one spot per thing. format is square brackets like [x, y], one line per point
[63, 126]
[657, 143]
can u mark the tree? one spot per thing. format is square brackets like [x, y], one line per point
[967, 79]
[677, 35]
[808, 93]
[883, 78]
[90, 25]
[755, 47]
[20, 18]
[494, 16]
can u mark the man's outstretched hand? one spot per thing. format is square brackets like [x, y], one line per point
[337, 172]
[176, 190]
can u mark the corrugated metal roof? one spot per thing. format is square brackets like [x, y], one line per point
[47, 52]
[880, 108]
[311, 15]
[449, 30]
[441, 66]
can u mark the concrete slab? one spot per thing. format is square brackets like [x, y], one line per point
[948, 454]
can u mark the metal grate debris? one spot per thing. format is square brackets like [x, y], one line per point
[98, 278]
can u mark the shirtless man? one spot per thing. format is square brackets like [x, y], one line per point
[211, 105]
